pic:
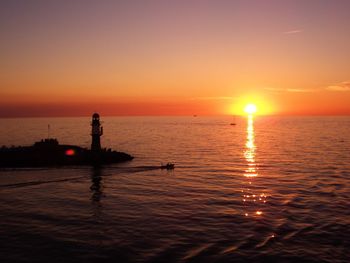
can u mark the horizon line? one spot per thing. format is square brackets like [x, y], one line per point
[182, 115]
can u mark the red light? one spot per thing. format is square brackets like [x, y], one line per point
[70, 152]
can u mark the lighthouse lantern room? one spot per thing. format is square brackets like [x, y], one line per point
[96, 133]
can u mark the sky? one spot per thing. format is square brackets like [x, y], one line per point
[184, 57]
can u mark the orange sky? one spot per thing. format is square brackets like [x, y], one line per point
[174, 57]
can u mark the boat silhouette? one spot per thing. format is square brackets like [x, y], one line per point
[168, 166]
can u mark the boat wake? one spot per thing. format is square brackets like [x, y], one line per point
[111, 172]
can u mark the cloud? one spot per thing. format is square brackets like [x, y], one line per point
[341, 87]
[290, 90]
[213, 98]
[300, 90]
[293, 32]
[275, 89]
[344, 86]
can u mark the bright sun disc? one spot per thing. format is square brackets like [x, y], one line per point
[250, 108]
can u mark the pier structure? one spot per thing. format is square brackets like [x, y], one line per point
[96, 133]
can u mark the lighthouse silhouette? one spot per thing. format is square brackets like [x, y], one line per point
[96, 133]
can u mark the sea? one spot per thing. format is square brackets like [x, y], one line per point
[267, 189]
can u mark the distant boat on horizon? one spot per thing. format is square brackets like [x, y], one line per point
[233, 123]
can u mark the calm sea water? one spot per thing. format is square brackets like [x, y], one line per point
[269, 189]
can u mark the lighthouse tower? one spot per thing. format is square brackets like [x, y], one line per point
[96, 132]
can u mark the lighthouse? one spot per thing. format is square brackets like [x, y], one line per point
[96, 132]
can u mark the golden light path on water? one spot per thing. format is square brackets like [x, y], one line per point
[252, 201]
[249, 154]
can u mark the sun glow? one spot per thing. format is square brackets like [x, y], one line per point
[250, 108]
[252, 104]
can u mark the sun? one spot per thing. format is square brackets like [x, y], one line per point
[251, 104]
[250, 108]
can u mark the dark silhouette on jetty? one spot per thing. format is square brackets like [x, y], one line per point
[49, 152]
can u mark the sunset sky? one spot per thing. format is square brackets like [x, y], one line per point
[70, 58]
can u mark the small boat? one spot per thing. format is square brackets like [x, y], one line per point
[168, 166]
[233, 123]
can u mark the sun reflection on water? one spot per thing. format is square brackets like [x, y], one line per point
[249, 153]
[252, 201]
